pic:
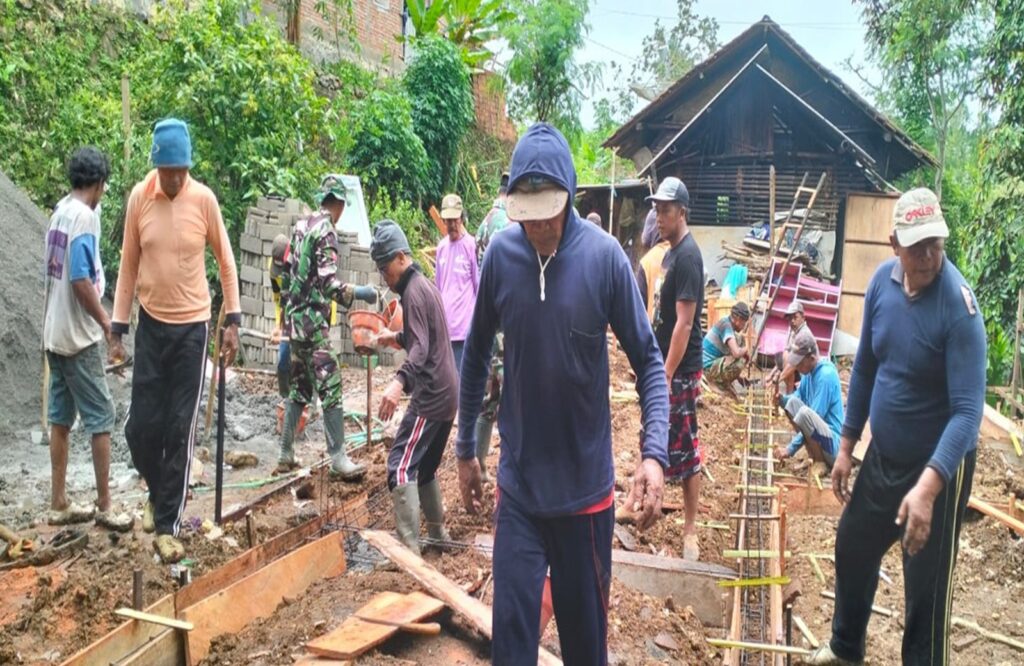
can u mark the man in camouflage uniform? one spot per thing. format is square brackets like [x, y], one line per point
[309, 285]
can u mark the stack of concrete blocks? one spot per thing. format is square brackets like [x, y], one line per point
[272, 216]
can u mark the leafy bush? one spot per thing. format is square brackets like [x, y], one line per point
[247, 95]
[385, 152]
[441, 95]
[477, 176]
[412, 220]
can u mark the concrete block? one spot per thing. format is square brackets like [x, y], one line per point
[267, 248]
[270, 203]
[251, 275]
[268, 309]
[250, 243]
[257, 214]
[293, 206]
[269, 230]
[252, 306]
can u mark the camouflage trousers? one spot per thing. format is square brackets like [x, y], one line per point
[725, 370]
[315, 371]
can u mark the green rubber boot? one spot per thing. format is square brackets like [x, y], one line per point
[286, 461]
[407, 515]
[433, 511]
[341, 465]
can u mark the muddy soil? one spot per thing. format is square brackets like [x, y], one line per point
[988, 582]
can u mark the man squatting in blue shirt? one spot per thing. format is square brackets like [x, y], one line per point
[920, 377]
[556, 474]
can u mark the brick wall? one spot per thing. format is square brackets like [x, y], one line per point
[376, 23]
[491, 112]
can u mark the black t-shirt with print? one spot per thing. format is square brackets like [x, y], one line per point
[682, 279]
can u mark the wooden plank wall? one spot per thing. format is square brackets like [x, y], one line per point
[868, 222]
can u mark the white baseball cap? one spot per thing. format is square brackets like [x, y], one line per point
[918, 217]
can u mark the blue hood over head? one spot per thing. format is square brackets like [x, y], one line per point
[543, 151]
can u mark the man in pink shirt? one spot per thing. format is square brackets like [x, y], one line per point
[456, 275]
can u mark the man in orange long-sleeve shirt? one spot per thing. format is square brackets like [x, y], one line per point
[169, 220]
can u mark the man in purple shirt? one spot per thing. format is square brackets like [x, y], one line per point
[456, 275]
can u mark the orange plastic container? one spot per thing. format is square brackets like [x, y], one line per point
[393, 315]
[365, 325]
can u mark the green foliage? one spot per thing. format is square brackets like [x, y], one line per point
[413, 221]
[548, 82]
[469, 24]
[247, 95]
[670, 52]
[385, 151]
[441, 94]
[482, 159]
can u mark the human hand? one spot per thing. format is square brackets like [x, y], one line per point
[385, 338]
[275, 336]
[645, 497]
[229, 344]
[470, 485]
[115, 349]
[841, 470]
[781, 453]
[915, 512]
[389, 401]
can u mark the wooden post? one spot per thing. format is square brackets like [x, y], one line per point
[369, 397]
[771, 206]
[611, 197]
[250, 529]
[137, 589]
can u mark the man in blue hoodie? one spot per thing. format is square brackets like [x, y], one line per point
[555, 475]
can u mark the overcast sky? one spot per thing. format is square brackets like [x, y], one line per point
[830, 30]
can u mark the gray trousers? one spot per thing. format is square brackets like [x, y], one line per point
[812, 427]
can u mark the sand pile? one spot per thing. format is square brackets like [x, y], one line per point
[22, 232]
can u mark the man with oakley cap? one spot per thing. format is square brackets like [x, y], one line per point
[556, 474]
[309, 286]
[919, 376]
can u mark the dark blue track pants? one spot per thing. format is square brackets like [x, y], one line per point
[578, 550]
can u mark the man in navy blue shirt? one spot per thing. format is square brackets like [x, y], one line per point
[556, 475]
[920, 377]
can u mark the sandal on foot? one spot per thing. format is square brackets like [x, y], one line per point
[118, 522]
[74, 513]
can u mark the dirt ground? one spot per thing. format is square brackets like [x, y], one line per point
[49, 612]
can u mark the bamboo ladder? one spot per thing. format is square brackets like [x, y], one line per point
[767, 294]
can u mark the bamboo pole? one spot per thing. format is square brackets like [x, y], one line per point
[755, 582]
[757, 647]
[991, 635]
[817, 569]
[876, 609]
[752, 554]
[213, 374]
[806, 631]
[611, 195]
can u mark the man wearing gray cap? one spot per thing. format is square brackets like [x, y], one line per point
[783, 373]
[920, 377]
[816, 408]
[678, 302]
[430, 375]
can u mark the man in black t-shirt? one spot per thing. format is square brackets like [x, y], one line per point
[679, 300]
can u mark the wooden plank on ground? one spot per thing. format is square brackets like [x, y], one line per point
[153, 618]
[996, 426]
[993, 512]
[259, 556]
[693, 584]
[811, 500]
[356, 635]
[474, 610]
[258, 594]
[170, 648]
[123, 640]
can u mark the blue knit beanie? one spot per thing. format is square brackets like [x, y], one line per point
[172, 145]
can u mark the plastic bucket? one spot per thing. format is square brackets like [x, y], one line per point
[365, 325]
